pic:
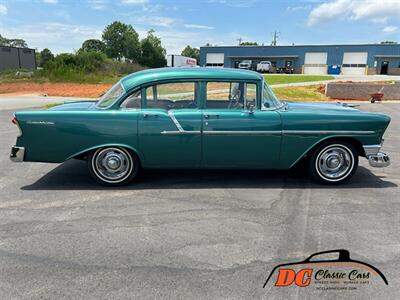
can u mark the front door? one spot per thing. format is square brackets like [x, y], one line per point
[170, 126]
[235, 132]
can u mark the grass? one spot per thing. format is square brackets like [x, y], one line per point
[279, 79]
[301, 93]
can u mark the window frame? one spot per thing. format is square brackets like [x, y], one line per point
[197, 92]
[127, 95]
[255, 82]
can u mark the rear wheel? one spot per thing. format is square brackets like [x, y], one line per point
[113, 166]
[333, 162]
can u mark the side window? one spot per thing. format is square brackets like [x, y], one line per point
[231, 95]
[167, 96]
[133, 101]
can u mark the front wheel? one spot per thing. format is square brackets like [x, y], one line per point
[113, 166]
[333, 163]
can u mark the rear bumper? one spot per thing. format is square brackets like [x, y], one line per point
[376, 158]
[17, 154]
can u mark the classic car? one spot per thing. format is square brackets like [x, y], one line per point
[200, 118]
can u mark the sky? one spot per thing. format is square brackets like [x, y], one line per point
[62, 25]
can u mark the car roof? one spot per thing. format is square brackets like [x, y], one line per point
[147, 76]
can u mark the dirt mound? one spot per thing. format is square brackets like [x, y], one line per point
[55, 89]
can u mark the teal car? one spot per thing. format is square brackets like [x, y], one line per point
[200, 118]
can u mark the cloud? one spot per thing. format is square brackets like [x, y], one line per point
[134, 2]
[58, 37]
[98, 4]
[372, 10]
[50, 1]
[3, 9]
[293, 9]
[235, 3]
[155, 21]
[196, 26]
[390, 29]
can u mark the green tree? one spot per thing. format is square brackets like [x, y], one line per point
[93, 45]
[45, 56]
[248, 44]
[12, 42]
[191, 52]
[121, 41]
[389, 43]
[153, 54]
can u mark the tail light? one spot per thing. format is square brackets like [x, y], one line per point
[15, 121]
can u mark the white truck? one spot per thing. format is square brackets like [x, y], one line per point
[174, 60]
[264, 66]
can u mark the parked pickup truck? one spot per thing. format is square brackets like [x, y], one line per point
[246, 64]
[264, 66]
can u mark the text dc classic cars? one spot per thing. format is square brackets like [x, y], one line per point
[200, 118]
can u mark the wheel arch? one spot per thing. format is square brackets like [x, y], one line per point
[82, 154]
[352, 140]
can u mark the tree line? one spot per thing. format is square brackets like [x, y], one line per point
[119, 42]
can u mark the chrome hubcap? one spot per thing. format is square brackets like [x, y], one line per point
[335, 162]
[112, 164]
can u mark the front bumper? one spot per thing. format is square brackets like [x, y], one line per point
[17, 154]
[376, 158]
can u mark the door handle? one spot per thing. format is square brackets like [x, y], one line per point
[146, 115]
[207, 116]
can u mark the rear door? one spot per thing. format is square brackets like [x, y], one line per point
[170, 126]
[236, 133]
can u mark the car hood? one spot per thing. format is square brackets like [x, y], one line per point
[339, 107]
[75, 105]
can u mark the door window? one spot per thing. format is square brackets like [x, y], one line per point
[133, 101]
[177, 95]
[231, 95]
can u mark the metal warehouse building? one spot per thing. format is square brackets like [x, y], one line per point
[17, 58]
[310, 59]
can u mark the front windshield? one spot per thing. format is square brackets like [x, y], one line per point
[113, 94]
[269, 99]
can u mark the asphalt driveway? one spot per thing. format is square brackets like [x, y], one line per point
[189, 234]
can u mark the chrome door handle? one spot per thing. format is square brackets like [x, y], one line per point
[207, 116]
[149, 115]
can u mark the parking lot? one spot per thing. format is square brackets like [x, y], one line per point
[189, 234]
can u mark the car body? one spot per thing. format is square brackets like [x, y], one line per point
[199, 118]
[246, 65]
[264, 66]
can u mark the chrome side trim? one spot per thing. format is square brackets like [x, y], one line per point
[371, 149]
[232, 132]
[17, 154]
[328, 132]
[179, 127]
[172, 116]
[185, 132]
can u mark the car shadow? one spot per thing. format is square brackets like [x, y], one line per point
[73, 175]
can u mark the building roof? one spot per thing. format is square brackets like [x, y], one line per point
[293, 46]
[147, 76]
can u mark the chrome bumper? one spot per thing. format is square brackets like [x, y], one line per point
[17, 154]
[379, 160]
[375, 158]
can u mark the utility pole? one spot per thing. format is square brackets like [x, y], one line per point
[275, 38]
[240, 41]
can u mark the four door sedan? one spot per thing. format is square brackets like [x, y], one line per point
[200, 118]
